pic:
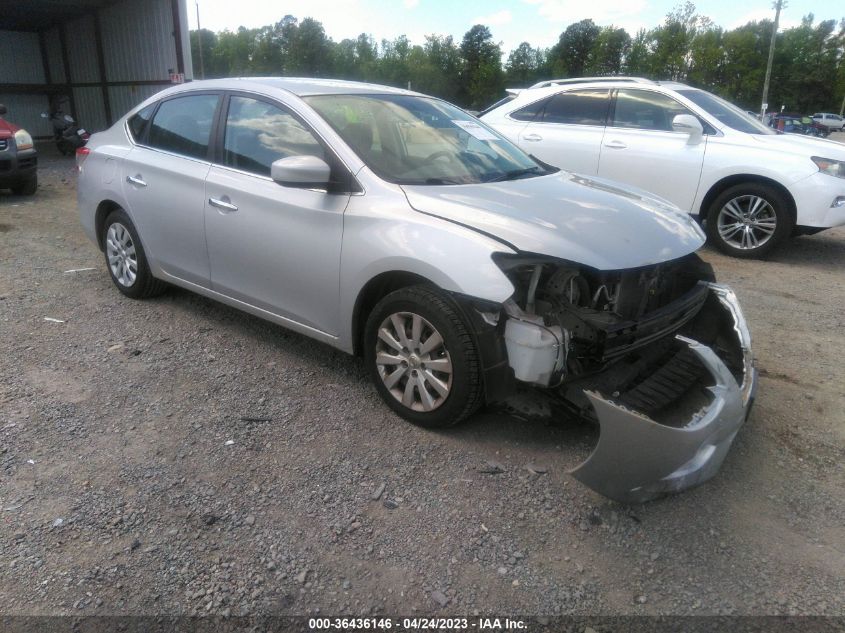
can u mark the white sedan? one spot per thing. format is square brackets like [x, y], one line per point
[749, 185]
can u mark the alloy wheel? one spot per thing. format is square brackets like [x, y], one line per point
[747, 222]
[413, 362]
[120, 250]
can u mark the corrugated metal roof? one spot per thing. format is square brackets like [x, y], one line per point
[35, 15]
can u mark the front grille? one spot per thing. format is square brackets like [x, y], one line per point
[4, 144]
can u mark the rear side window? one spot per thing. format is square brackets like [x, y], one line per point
[530, 112]
[259, 133]
[138, 122]
[183, 125]
[646, 110]
[578, 107]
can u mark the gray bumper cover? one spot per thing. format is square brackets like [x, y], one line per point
[637, 459]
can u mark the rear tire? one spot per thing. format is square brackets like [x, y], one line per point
[27, 187]
[422, 358]
[126, 260]
[749, 220]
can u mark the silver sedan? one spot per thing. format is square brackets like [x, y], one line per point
[397, 227]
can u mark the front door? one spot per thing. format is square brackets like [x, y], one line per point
[640, 147]
[272, 246]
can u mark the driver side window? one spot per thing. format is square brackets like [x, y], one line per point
[259, 133]
[646, 110]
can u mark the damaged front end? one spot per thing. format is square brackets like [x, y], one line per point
[659, 356]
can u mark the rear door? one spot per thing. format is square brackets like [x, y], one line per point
[640, 147]
[164, 184]
[272, 246]
[567, 132]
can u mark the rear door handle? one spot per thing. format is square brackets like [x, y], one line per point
[532, 138]
[616, 145]
[136, 180]
[224, 205]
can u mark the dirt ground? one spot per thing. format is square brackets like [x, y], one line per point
[175, 456]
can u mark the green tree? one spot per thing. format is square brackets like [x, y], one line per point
[208, 40]
[571, 56]
[671, 42]
[309, 52]
[608, 53]
[525, 65]
[637, 62]
[482, 77]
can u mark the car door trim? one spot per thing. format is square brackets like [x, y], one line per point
[274, 317]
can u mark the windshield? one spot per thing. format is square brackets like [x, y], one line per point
[421, 141]
[725, 112]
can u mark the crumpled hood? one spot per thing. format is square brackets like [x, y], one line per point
[590, 221]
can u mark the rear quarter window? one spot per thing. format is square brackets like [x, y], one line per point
[529, 112]
[139, 121]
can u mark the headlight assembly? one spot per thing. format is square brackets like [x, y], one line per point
[830, 166]
[23, 139]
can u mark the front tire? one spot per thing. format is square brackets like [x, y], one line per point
[126, 260]
[749, 220]
[28, 187]
[422, 358]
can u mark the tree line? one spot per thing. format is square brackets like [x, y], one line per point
[808, 73]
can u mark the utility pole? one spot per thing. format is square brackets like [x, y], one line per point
[765, 103]
[199, 42]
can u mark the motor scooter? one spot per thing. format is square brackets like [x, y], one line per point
[69, 136]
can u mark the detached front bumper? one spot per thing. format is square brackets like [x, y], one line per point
[638, 459]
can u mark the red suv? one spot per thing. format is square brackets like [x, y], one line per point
[18, 159]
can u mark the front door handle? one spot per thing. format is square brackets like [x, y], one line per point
[532, 138]
[616, 145]
[136, 180]
[224, 205]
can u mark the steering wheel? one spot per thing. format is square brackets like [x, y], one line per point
[440, 154]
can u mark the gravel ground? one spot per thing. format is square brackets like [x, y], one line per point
[176, 456]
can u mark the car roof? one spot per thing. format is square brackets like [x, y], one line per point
[611, 80]
[302, 86]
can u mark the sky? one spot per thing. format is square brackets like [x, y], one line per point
[538, 22]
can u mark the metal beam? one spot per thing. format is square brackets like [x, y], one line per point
[66, 64]
[45, 60]
[101, 59]
[177, 36]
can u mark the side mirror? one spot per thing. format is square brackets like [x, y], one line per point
[2, 109]
[688, 124]
[303, 172]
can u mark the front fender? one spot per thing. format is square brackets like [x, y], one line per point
[382, 235]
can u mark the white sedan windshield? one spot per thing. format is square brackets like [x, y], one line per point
[422, 141]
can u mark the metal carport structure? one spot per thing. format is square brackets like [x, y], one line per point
[99, 57]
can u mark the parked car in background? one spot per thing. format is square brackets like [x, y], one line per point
[18, 158]
[396, 226]
[831, 121]
[751, 187]
[791, 123]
